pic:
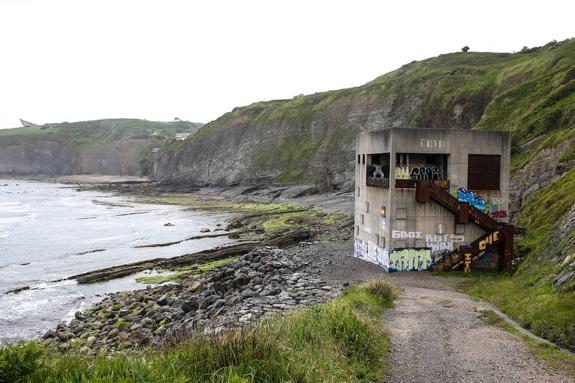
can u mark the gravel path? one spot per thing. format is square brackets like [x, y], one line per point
[439, 336]
[437, 333]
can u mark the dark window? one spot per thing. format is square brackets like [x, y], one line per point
[483, 172]
[363, 159]
[359, 159]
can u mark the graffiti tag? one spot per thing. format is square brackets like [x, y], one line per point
[474, 200]
[442, 242]
[467, 258]
[409, 259]
[397, 234]
[493, 237]
[427, 143]
[499, 214]
[370, 252]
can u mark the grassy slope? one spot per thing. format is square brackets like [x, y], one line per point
[339, 341]
[83, 133]
[529, 295]
[530, 94]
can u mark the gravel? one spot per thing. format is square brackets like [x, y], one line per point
[437, 333]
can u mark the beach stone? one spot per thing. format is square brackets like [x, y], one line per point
[190, 305]
[163, 300]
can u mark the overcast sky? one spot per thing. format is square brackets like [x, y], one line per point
[70, 60]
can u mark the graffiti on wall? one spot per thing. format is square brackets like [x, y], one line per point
[409, 259]
[430, 143]
[467, 259]
[442, 242]
[499, 214]
[475, 200]
[400, 234]
[491, 238]
[402, 173]
[370, 252]
[424, 173]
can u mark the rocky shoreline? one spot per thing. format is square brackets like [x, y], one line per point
[259, 284]
[275, 270]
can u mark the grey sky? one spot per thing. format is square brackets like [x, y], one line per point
[69, 60]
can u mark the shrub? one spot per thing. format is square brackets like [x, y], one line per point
[17, 362]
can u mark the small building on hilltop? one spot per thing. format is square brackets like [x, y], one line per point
[182, 136]
[433, 199]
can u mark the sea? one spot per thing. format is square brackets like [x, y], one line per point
[50, 231]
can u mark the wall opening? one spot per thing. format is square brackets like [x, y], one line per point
[483, 172]
[377, 170]
[412, 167]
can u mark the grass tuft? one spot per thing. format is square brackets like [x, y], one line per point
[339, 341]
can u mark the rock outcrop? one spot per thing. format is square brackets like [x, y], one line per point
[311, 139]
[112, 147]
[259, 284]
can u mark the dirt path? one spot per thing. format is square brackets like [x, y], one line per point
[438, 335]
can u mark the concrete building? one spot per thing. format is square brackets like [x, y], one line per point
[433, 199]
[182, 136]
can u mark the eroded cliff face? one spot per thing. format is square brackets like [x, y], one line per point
[115, 147]
[53, 158]
[310, 139]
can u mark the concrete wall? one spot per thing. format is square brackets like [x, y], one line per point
[408, 224]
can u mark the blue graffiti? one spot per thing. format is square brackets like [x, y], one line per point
[474, 200]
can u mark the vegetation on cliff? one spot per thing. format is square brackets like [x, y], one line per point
[341, 340]
[532, 295]
[115, 146]
[310, 139]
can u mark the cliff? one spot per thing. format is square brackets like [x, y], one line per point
[310, 139]
[118, 146]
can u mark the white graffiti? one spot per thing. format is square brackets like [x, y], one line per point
[442, 242]
[400, 234]
[370, 252]
[427, 143]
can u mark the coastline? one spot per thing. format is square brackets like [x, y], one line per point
[259, 221]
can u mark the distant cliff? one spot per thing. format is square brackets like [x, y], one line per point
[116, 146]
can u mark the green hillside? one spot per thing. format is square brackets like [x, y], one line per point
[310, 140]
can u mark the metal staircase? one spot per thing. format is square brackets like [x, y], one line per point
[498, 236]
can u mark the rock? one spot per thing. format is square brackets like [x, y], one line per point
[169, 224]
[219, 303]
[190, 305]
[65, 335]
[123, 336]
[147, 322]
[163, 300]
[205, 230]
[563, 278]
